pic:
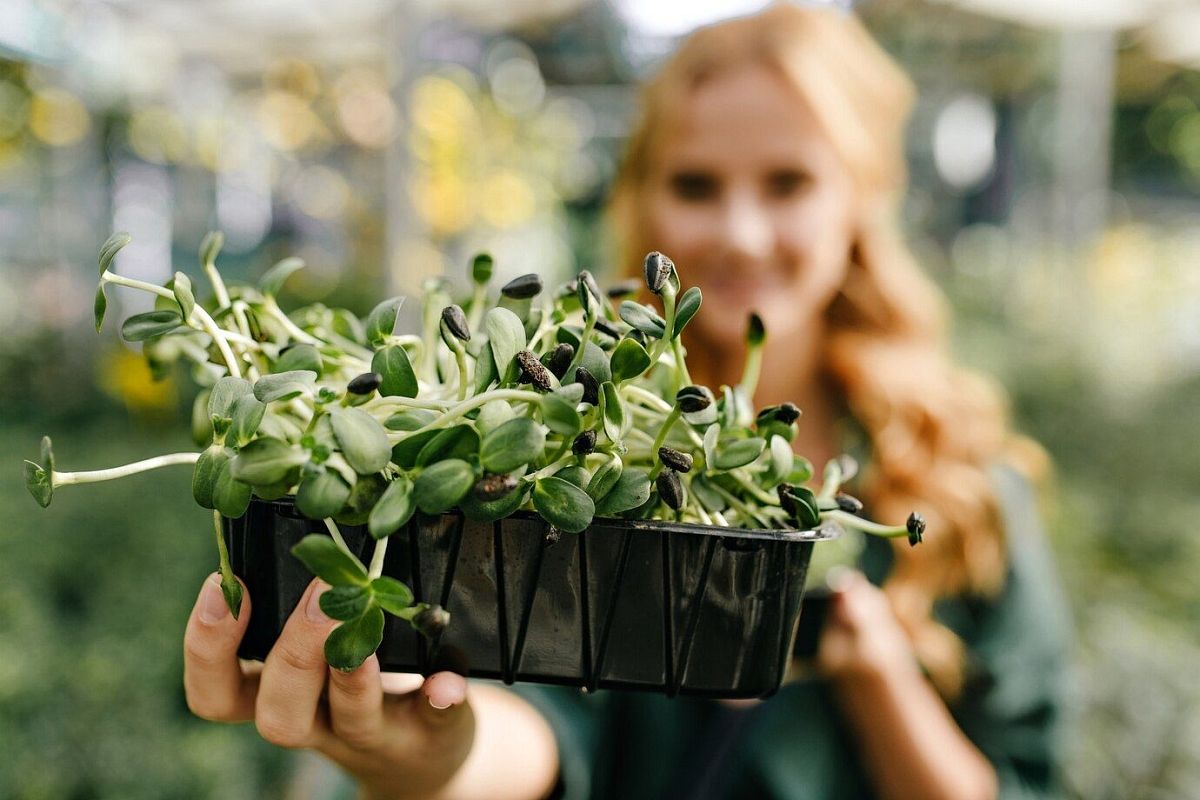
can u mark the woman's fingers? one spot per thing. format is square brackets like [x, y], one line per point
[213, 680]
[294, 676]
[356, 705]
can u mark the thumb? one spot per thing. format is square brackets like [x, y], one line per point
[442, 698]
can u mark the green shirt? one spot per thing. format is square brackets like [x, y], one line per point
[794, 745]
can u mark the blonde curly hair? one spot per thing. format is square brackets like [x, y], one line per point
[933, 428]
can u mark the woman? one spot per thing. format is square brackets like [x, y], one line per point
[767, 163]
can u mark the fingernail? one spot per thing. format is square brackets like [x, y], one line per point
[313, 609]
[212, 601]
[439, 708]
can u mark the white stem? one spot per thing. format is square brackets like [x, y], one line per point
[295, 332]
[341, 543]
[206, 322]
[377, 559]
[214, 277]
[93, 476]
[456, 411]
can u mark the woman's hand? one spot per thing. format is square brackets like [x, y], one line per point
[862, 638]
[396, 745]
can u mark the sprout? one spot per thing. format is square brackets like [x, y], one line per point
[362, 422]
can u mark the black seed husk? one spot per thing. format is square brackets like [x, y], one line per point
[624, 289]
[493, 487]
[560, 359]
[692, 398]
[523, 287]
[674, 459]
[591, 387]
[534, 372]
[788, 413]
[849, 503]
[657, 268]
[670, 489]
[608, 329]
[637, 336]
[365, 383]
[584, 443]
[456, 322]
[916, 528]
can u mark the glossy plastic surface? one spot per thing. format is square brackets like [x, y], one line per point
[657, 606]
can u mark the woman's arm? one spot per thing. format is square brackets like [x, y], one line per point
[442, 739]
[911, 745]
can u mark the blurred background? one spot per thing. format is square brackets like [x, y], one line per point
[1055, 158]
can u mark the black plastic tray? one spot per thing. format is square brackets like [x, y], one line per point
[649, 605]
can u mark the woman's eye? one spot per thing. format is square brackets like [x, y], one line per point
[786, 182]
[694, 186]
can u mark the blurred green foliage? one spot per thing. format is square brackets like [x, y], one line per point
[94, 595]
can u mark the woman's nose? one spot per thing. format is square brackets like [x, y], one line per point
[746, 229]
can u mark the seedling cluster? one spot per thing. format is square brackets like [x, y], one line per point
[573, 403]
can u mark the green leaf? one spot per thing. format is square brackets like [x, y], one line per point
[208, 469]
[802, 471]
[442, 485]
[481, 268]
[605, 478]
[323, 557]
[559, 414]
[99, 307]
[563, 504]
[39, 483]
[612, 411]
[351, 643]
[492, 415]
[686, 308]
[345, 602]
[457, 441]
[492, 510]
[247, 415]
[808, 511]
[399, 379]
[230, 497]
[575, 475]
[272, 280]
[733, 453]
[151, 324]
[231, 589]
[506, 335]
[643, 318]
[110, 248]
[363, 496]
[411, 419]
[393, 510]
[517, 442]
[392, 595]
[284, 385]
[405, 452]
[782, 459]
[712, 435]
[299, 357]
[225, 393]
[631, 490]
[362, 439]
[210, 246]
[266, 460]
[595, 361]
[485, 369]
[182, 289]
[629, 360]
[322, 494]
[702, 489]
[381, 322]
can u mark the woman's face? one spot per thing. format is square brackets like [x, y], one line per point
[749, 198]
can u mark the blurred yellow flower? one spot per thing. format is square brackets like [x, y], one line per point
[58, 118]
[125, 376]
